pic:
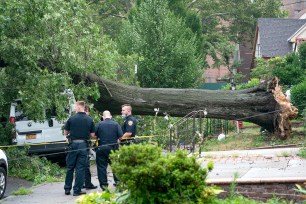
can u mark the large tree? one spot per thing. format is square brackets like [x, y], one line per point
[168, 48]
[264, 105]
[44, 45]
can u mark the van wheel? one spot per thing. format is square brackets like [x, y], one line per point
[3, 181]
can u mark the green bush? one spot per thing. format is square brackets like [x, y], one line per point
[252, 83]
[304, 119]
[32, 168]
[104, 197]
[298, 96]
[6, 133]
[291, 72]
[153, 177]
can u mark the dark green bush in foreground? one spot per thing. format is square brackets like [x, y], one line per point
[152, 177]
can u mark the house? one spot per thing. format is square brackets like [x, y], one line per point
[277, 37]
[246, 54]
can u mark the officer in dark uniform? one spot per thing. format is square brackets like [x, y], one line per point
[129, 126]
[108, 132]
[79, 127]
[88, 184]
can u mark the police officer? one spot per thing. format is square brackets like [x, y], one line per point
[129, 125]
[78, 127]
[88, 184]
[108, 132]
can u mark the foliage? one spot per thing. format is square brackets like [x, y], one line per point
[233, 185]
[304, 118]
[250, 84]
[300, 189]
[111, 14]
[105, 197]
[302, 152]
[298, 96]
[167, 45]
[46, 46]
[302, 55]
[22, 191]
[291, 72]
[236, 200]
[6, 133]
[289, 69]
[263, 69]
[232, 21]
[152, 177]
[32, 168]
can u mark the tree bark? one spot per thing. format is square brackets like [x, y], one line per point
[264, 105]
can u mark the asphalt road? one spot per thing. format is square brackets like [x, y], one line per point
[14, 184]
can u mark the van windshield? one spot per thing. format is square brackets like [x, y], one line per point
[19, 115]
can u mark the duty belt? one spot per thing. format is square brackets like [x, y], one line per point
[78, 141]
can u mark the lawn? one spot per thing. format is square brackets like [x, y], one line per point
[250, 138]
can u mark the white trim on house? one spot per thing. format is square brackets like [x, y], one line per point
[299, 33]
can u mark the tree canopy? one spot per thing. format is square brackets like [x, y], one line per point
[44, 46]
[48, 46]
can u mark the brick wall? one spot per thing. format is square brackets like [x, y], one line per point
[265, 191]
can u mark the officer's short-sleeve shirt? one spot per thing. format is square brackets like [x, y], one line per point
[80, 126]
[108, 132]
[129, 125]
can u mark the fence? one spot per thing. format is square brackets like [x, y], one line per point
[190, 132]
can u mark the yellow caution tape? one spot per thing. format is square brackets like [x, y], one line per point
[66, 142]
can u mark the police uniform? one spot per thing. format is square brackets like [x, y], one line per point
[80, 126]
[129, 125]
[108, 132]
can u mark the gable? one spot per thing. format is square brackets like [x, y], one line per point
[299, 35]
[274, 34]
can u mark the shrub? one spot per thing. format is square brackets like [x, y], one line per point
[153, 177]
[6, 133]
[298, 96]
[304, 119]
[251, 83]
[291, 72]
[104, 197]
[32, 168]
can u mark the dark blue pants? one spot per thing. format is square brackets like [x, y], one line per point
[87, 173]
[102, 160]
[76, 160]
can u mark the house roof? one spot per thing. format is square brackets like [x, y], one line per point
[274, 34]
[300, 31]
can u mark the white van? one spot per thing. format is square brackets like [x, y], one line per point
[43, 137]
[3, 173]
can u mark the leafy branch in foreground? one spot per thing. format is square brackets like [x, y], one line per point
[32, 168]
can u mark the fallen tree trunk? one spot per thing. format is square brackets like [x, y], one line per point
[264, 105]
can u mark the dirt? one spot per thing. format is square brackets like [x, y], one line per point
[14, 184]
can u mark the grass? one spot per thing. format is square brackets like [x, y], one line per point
[251, 138]
[302, 152]
[284, 154]
[22, 191]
